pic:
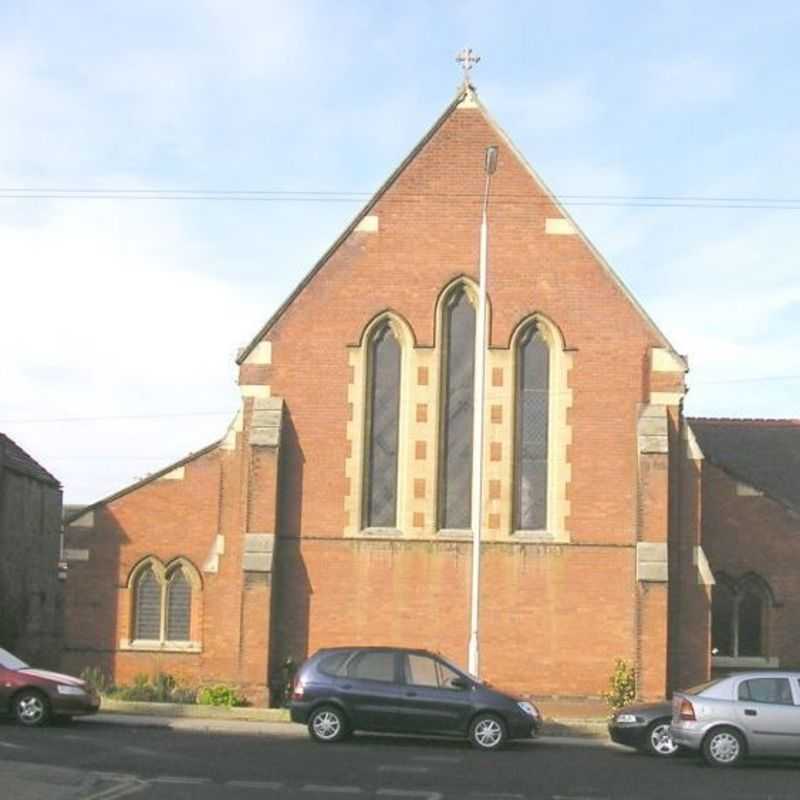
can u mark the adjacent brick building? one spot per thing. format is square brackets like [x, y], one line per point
[751, 534]
[31, 599]
[336, 508]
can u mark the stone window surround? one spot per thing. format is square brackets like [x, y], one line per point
[161, 571]
[738, 589]
[377, 332]
[358, 398]
[411, 470]
[559, 434]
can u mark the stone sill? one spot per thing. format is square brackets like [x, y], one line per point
[462, 535]
[160, 647]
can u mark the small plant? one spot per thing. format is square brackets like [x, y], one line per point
[163, 687]
[621, 685]
[220, 695]
[96, 679]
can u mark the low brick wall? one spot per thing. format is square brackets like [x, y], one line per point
[246, 714]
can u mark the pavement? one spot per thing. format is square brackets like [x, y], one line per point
[567, 717]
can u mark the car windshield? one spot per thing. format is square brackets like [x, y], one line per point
[10, 662]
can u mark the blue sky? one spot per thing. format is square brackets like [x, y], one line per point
[135, 308]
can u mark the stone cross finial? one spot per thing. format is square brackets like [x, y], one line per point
[467, 59]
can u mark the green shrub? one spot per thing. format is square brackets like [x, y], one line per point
[621, 685]
[220, 695]
[162, 688]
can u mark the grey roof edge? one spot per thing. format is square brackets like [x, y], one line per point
[733, 473]
[34, 469]
[460, 95]
[68, 519]
[584, 238]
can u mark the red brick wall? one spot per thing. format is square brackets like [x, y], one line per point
[550, 624]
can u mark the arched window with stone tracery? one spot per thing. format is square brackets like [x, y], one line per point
[739, 616]
[162, 601]
[532, 429]
[383, 427]
[457, 405]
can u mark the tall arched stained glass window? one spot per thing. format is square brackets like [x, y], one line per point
[458, 394]
[147, 623]
[383, 427]
[532, 430]
[179, 606]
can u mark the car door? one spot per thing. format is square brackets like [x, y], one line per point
[6, 688]
[767, 707]
[371, 690]
[431, 703]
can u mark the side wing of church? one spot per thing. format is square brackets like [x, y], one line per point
[336, 508]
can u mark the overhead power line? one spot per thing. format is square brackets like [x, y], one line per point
[114, 417]
[330, 196]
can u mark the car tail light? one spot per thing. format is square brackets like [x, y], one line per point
[298, 690]
[686, 711]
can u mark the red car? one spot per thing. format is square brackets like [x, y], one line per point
[34, 696]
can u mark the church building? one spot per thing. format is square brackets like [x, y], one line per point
[336, 508]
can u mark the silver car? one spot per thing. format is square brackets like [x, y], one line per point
[749, 713]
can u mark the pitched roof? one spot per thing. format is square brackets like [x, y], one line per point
[13, 457]
[765, 453]
[467, 97]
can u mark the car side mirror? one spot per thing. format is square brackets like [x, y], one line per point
[459, 683]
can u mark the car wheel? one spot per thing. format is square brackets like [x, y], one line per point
[658, 741]
[487, 732]
[723, 747]
[327, 724]
[31, 708]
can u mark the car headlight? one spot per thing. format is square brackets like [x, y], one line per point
[529, 708]
[73, 690]
[623, 718]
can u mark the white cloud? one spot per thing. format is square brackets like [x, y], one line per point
[116, 311]
[688, 80]
[732, 306]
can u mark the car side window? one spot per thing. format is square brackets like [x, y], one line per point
[373, 666]
[335, 664]
[426, 671]
[777, 691]
[421, 671]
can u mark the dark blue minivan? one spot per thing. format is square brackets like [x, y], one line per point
[389, 689]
